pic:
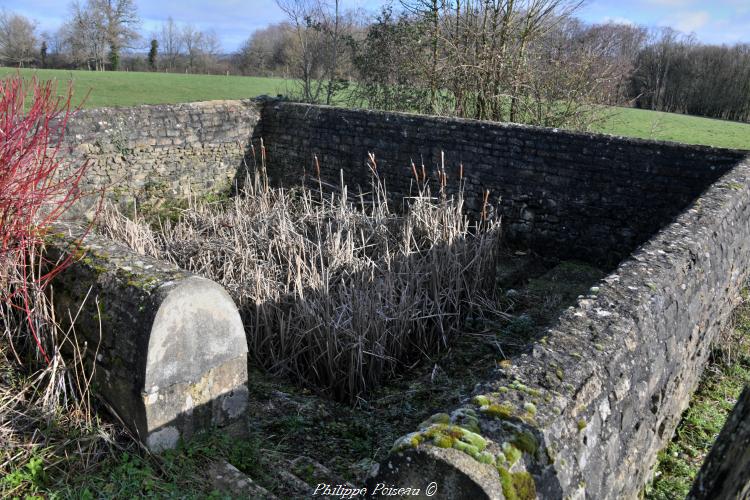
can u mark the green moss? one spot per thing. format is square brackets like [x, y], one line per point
[581, 424]
[516, 485]
[530, 408]
[525, 389]
[442, 441]
[470, 450]
[481, 400]
[506, 481]
[512, 454]
[503, 411]
[524, 486]
[525, 441]
[443, 436]
[560, 374]
[486, 457]
[438, 418]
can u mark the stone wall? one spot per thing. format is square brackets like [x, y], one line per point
[584, 413]
[161, 151]
[569, 194]
[585, 410]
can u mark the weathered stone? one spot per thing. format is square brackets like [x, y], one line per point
[618, 382]
[155, 152]
[228, 479]
[169, 347]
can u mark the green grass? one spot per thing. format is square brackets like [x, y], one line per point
[709, 408]
[118, 89]
[674, 127]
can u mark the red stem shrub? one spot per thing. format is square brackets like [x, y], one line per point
[36, 188]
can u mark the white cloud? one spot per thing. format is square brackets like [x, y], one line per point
[617, 20]
[688, 22]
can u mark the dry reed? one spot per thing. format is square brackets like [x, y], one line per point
[339, 292]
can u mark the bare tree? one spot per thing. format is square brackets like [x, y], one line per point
[18, 42]
[267, 52]
[84, 39]
[99, 30]
[119, 20]
[171, 43]
[192, 40]
[308, 54]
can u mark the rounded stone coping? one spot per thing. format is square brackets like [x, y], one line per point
[196, 327]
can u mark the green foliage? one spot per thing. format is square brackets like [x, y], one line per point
[152, 54]
[32, 477]
[114, 57]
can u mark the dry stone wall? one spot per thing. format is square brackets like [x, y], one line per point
[586, 410]
[569, 194]
[161, 151]
[583, 413]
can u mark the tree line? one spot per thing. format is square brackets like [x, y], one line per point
[528, 61]
[103, 35]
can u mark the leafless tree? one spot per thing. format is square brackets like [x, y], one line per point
[119, 21]
[170, 43]
[18, 42]
[307, 54]
[98, 30]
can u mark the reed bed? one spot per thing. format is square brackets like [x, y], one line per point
[338, 291]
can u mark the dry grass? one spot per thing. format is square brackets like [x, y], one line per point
[48, 429]
[338, 291]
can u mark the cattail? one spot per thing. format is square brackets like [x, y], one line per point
[484, 204]
[414, 171]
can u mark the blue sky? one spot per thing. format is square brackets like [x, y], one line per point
[717, 21]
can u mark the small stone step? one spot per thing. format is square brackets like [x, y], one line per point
[291, 486]
[315, 473]
[226, 478]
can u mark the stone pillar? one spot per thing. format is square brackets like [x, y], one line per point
[169, 347]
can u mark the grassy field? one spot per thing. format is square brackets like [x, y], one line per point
[132, 88]
[679, 128]
[128, 89]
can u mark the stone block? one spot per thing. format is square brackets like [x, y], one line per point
[168, 347]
